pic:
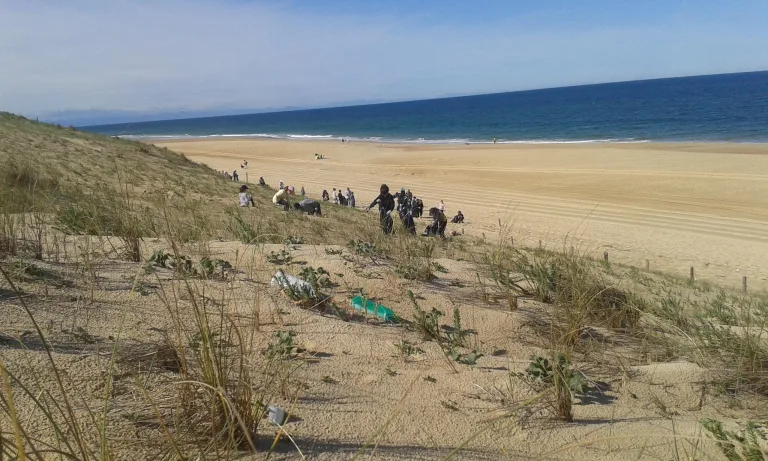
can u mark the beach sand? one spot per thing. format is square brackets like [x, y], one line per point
[675, 205]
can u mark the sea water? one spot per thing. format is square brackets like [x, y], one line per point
[720, 108]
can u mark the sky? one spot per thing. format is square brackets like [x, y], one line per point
[86, 61]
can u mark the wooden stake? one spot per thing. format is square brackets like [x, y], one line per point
[605, 256]
[647, 265]
[693, 279]
[744, 284]
[246, 177]
[539, 244]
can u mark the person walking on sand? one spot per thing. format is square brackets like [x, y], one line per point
[281, 198]
[235, 178]
[302, 191]
[386, 203]
[441, 206]
[347, 195]
[351, 201]
[281, 184]
[325, 196]
[335, 196]
[245, 197]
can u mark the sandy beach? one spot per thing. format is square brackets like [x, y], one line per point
[675, 205]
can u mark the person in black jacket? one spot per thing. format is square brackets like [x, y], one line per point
[386, 203]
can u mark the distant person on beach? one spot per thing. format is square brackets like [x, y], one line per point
[302, 191]
[439, 223]
[458, 219]
[308, 206]
[342, 199]
[335, 196]
[245, 163]
[291, 190]
[347, 194]
[281, 198]
[386, 203]
[281, 184]
[245, 197]
[235, 178]
[351, 201]
[441, 206]
[262, 183]
[325, 196]
[494, 140]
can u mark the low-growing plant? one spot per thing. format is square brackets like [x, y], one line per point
[407, 349]
[319, 278]
[333, 251]
[741, 445]
[294, 240]
[280, 258]
[284, 347]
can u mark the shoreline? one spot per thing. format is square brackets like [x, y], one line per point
[424, 142]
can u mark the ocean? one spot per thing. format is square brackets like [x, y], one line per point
[713, 108]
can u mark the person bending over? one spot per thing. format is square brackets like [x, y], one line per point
[245, 197]
[326, 197]
[439, 222]
[386, 203]
[458, 219]
[308, 206]
[281, 198]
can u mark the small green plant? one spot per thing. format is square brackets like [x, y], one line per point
[281, 258]
[439, 267]
[541, 369]
[333, 251]
[294, 240]
[407, 349]
[427, 323]
[361, 248]
[390, 372]
[284, 348]
[429, 379]
[743, 445]
[466, 359]
[318, 278]
[328, 380]
[215, 267]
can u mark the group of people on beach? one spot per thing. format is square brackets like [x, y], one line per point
[346, 198]
[409, 207]
[406, 206]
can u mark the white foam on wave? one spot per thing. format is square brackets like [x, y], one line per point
[380, 139]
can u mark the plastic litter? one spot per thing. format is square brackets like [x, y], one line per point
[287, 281]
[275, 415]
[382, 312]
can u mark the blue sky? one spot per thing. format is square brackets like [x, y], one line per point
[130, 59]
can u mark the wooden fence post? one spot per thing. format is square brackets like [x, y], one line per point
[605, 256]
[539, 244]
[744, 284]
[647, 265]
[693, 279]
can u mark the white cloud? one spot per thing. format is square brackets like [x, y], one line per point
[146, 55]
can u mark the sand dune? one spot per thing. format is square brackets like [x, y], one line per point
[677, 205]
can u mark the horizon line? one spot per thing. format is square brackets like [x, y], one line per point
[347, 105]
